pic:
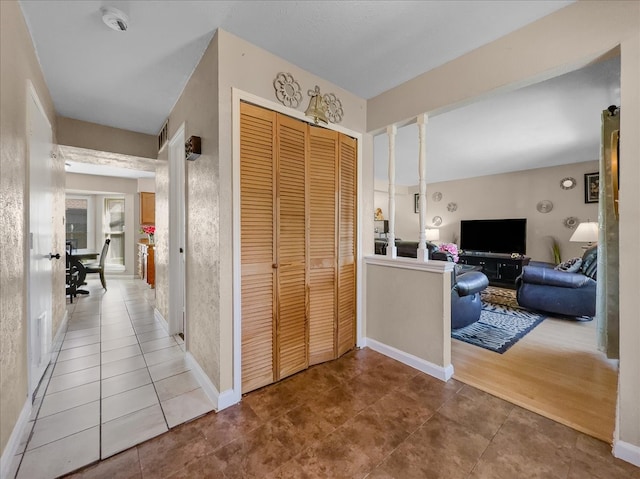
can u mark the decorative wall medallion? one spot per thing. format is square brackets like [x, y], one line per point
[437, 220]
[567, 183]
[334, 109]
[451, 207]
[571, 222]
[437, 196]
[544, 206]
[287, 90]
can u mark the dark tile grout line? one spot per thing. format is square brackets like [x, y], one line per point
[49, 375]
[153, 383]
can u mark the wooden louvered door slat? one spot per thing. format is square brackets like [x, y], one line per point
[292, 324]
[257, 203]
[347, 245]
[323, 158]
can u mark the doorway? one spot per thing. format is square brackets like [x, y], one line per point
[177, 314]
[40, 240]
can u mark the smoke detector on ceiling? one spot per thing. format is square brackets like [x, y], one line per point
[115, 19]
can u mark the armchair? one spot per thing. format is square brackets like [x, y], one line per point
[557, 292]
[466, 304]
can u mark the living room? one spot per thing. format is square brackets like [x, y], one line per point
[511, 153]
[543, 177]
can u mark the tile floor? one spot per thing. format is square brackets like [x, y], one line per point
[367, 416]
[117, 380]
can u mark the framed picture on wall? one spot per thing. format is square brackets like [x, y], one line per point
[416, 202]
[591, 187]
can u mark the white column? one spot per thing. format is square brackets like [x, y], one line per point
[392, 251]
[423, 253]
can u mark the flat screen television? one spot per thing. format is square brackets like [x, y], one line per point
[494, 236]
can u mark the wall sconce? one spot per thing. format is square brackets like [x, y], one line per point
[316, 108]
[192, 148]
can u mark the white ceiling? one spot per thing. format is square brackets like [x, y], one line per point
[132, 79]
[550, 123]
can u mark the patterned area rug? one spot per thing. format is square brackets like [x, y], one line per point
[502, 322]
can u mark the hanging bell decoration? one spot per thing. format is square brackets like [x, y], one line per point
[316, 108]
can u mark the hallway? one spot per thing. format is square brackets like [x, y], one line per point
[117, 379]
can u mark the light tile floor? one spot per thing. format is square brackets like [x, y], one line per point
[118, 379]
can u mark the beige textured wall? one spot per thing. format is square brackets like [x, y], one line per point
[161, 256]
[197, 107]
[629, 393]
[18, 63]
[252, 69]
[410, 310]
[104, 138]
[508, 195]
[558, 43]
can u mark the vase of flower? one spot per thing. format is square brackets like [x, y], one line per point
[452, 249]
[150, 231]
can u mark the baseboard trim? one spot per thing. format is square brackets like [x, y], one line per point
[221, 400]
[62, 329]
[627, 452]
[444, 373]
[226, 399]
[158, 315]
[10, 450]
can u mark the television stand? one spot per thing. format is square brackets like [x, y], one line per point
[501, 269]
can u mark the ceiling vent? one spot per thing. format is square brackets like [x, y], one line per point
[115, 19]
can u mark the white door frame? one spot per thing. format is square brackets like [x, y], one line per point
[237, 96]
[177, 233]
[38, 329]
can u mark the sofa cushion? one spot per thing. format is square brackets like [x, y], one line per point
[570, 266]
[551, 277]
[590, 262]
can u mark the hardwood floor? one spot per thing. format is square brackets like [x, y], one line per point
[555, 370]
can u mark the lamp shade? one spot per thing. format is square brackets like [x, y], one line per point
[432, 234]
[585, 233]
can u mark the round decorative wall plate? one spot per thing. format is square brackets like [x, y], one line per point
[544, 206]
[567, 183]
[571, 222]
[437, 196]
[437, 220]
[287, 90]
[334, 109]
[451, 207]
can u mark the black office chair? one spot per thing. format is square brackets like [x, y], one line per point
[72, 275]
[99, 267]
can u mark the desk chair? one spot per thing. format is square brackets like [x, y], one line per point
[72, 275]
[99, 267]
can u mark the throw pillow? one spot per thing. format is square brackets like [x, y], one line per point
[570, 266]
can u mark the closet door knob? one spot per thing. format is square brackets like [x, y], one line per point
[274, 266]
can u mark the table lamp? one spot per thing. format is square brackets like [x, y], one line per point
[586, 232]
[432, 234]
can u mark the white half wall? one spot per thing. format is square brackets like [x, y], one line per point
[408, 311]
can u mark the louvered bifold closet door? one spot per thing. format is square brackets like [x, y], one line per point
[292, 325]
[323, 199]
[257, 198]
[347, 245]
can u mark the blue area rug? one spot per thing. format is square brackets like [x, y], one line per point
[502, 322]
